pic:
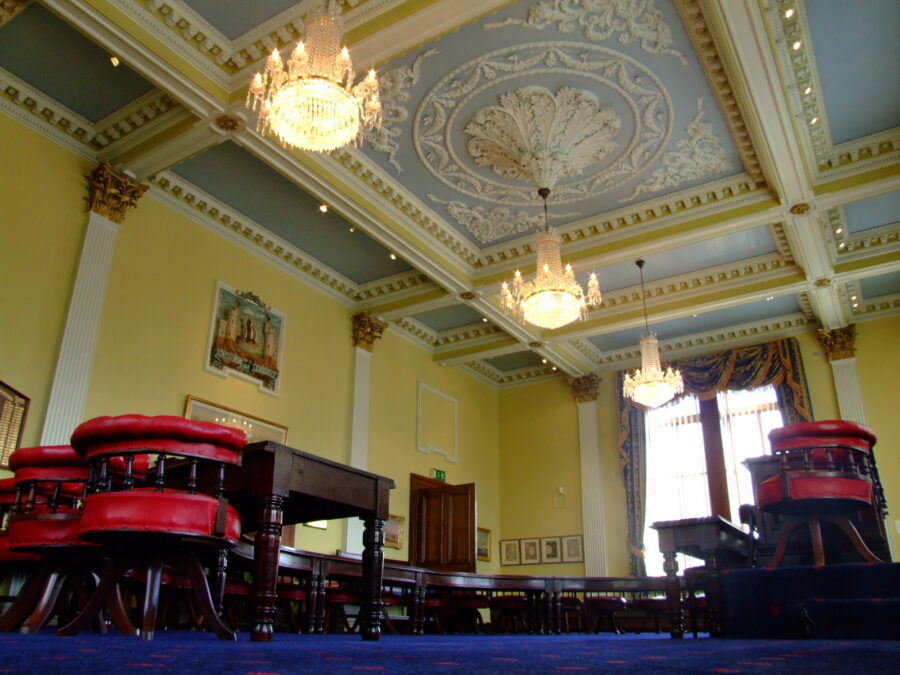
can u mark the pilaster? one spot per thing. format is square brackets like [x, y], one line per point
[840, 350]
[111, 195]
[584, 389]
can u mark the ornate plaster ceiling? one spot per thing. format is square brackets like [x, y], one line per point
[749, 153]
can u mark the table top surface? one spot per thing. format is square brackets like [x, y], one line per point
[273, 447]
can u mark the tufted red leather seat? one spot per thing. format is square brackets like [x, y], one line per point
[7, 499]
[826, 471]
[159, 524]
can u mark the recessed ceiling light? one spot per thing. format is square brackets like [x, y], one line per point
[553, 368]
[393, 257]
[841, 245]
[771, 297]
[543, 360]
[323, 208]
[839, 230]
[694, 316]
[788, 13]
[853, 297]
[797, 45]
[115, 61]
[352, 229]
[484, 319]
[807, 91]
[814, 120]
[855, 304]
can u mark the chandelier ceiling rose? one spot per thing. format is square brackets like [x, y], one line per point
[649, 385]
[554, 298]
[310, 102]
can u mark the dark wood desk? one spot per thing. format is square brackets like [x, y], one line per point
[716, 541]
[277, 485]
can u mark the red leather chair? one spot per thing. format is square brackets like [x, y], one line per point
[12, 563]
[44, 522]
[605, 606]
[827, 472]
[158, 525]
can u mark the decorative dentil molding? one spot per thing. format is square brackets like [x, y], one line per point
[491, 224]
[504, 379]
[393, 89]
[111, 193]
[697, 154]
[584, 388]
[367, 329]
[9, 9]
[719, 78]
[839, 343]
[540, 137]
[629, 20]
[432, 339]
[642, 90]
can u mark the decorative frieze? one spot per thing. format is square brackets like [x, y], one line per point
[584, 388]
[112, 193]
[367, 329]
[839, 343]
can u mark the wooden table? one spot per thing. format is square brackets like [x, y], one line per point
[277, 485]
[716, 541]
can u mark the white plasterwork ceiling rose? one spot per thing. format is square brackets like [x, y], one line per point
[629, 20]
[540, 137]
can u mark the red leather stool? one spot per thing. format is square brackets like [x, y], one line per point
[12, 563]
[44, 520]
[605, 606]
[827, 471]
[160, 524]
[508, 612]
[465, 611]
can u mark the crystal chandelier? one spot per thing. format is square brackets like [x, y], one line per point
[311, 102]
[554, 298]
[650, 386]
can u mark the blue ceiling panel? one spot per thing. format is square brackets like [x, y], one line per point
[721, 318]
[719, 251]
[507, 362]
[448, 318]
[99, 88]
[857, 52]
[246, 184]
[884, 284]
[236, 23]
[873, 212]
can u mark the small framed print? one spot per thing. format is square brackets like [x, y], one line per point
[393, 531]
[483, 544]
[550, 552]
[531, 551]
[573, 549]
[509, 552]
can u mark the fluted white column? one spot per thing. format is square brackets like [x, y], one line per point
[849, 393]
[68, 392]
[595, 564]
[359, 437]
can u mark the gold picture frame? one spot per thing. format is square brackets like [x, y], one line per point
[393, 531]
[256, 428]
[483, 544]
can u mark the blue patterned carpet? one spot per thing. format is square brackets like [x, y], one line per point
[187, 652]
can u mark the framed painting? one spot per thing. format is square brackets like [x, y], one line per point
[483, 544]
[245, 339]
[531, 551]
[13, 412]
[256, 428]
[509, 552]
[573, 549]
[550, 552]
[393, 531]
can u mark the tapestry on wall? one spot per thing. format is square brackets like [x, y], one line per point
[245, 338]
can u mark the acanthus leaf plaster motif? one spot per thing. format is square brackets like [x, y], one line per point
[394, 93]
[540, 137]
[697, 154]
[631, 20]
[488, 225]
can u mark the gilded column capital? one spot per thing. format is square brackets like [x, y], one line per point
[366, 329]
[584, 388]
[112, 193]
[839, 343]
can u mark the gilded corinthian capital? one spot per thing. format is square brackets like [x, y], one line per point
[584, 388]
[839, 343]
[112, 193]
[366, 329]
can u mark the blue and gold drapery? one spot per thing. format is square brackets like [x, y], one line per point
[777, 363]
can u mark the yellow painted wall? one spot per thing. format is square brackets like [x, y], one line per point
[42, 190]
[397, 368]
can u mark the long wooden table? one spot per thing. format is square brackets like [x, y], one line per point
[277, 485]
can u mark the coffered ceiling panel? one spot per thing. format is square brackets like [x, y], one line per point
[867, 214]
[233, 24]
[883, 284]
[448, 318]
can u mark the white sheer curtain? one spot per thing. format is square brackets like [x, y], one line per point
[676, 462]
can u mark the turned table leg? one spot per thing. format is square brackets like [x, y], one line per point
[372, 570]
[673, 595]
[265, 555]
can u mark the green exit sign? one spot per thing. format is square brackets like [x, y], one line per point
[438, 474]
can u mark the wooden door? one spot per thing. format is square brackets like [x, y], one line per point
[442, 525]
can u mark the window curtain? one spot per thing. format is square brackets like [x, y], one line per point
[777, 363]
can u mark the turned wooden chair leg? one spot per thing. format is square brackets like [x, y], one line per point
[108, 583]
[44, 608]
[787, 528]
[850, 530]
[24, 603]
[192, 569]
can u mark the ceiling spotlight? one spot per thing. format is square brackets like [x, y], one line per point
[771, 297]
[323, 208]
[543, 360]
[788, 13]
[553, 368]
[352, 228]
[393, 257]
[841, 245]
[855, 305]
[839, 230]
[484, 319]
[814, 120]
[853, 297]
[797, 45]
[807, 91]
[694, 316]
[115, 61]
